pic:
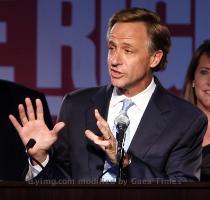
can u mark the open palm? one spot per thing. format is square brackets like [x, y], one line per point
[33, 126]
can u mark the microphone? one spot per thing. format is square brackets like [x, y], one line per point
[122, 122]
[30, 144]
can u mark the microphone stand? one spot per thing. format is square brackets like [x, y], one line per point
[121, 128]
[120, 156]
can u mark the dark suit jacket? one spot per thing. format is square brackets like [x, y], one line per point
[13, 159]
[167, 143]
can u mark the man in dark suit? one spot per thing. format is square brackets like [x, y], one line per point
[163, 139]
[12, 151]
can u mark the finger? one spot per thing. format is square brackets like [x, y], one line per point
[22, 114]
[90, 135]
[57, 128]
[15, 123]
[97, 140]
[104, 130]
[39, 110]
[98, 116]
[103, 126]
[30, 109]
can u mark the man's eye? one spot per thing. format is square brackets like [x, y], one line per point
[203, 72]
[128, 51]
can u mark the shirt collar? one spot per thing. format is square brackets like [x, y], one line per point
[141, 99]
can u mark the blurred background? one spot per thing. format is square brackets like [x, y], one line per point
[57, 46]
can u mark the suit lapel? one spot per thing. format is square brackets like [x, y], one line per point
[152, 123]
[96, 155]
[99, 101]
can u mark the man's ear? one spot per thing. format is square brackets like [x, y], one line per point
[156, 58]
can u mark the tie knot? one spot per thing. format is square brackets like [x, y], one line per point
[127, 103]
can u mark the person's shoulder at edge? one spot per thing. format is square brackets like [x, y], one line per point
[13, 85]
[184, 108]
[182, 105]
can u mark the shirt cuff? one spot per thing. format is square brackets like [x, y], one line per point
[34, 170]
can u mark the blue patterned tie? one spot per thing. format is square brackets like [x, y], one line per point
[127, 103]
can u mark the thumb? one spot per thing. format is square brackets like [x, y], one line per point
[58, 127]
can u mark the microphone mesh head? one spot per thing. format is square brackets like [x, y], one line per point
[122, 119]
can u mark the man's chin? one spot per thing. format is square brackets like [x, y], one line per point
[121, 87]
[118, 84]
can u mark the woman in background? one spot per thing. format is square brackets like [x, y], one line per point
[197, 91]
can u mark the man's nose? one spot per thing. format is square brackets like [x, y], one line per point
[116, 59]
